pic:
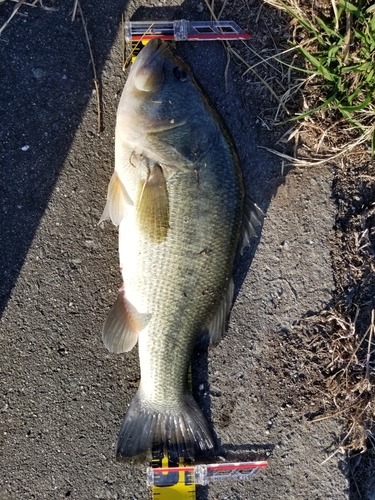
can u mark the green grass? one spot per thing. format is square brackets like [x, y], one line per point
[341, 52]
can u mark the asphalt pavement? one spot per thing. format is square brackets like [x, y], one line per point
[63, 395]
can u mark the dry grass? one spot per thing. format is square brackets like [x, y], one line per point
[338, 95]
[351, 382]
[251, 67]
[299, 94]
[308, 90]
[77, 6]
[19, 4]
[351, 371]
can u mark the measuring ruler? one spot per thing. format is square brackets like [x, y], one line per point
[184, 30]
[171, 483]
[138, 33]
[178, 483]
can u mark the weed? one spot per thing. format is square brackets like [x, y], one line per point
[340, 53]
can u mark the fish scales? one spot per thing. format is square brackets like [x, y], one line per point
[192, 274]
[178, 197]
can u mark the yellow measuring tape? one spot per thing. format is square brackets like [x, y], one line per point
[137, 47]
[174, 484]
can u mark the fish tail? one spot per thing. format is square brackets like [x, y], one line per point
[180, 432]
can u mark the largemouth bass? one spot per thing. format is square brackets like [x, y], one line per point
[178, 197]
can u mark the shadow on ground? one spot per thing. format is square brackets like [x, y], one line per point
[47, 83]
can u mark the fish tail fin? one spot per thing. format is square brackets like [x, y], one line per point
[180, 432]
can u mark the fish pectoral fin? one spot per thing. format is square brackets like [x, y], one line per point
[252, 214]
[152, 205]
[123, 324]
[217, 325]
[117, 201]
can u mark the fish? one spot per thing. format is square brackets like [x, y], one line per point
[178, 197]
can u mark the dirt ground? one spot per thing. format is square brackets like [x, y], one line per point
[63, 395]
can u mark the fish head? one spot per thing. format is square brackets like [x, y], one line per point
[163, 113]
[147, 73]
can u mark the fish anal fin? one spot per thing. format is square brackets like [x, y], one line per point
[117, 201]
[152, 205]
[218, 322]
[251, 220]
[123, 324]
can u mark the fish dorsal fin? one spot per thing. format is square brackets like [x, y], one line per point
[152, 205]
[117, 201]
[123, 324]
[250, 222]
[217, 324]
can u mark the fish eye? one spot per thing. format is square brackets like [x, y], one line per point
[180, 74]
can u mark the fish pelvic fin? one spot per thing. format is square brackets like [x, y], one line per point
[123, 324]
[180, 432]
[251, 220]
[117, 201]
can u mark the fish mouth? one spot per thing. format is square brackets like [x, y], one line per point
[148, 69]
